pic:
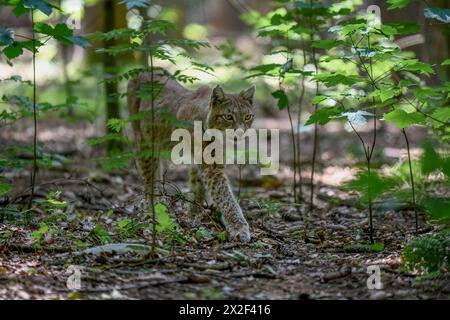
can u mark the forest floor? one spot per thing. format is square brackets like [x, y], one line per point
[293, 254]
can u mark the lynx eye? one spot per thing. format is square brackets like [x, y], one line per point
[248, 117]
[228, 117]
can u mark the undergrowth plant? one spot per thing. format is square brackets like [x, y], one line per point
[148, 41]
[381, 82]
[14, 45]
[294, 29]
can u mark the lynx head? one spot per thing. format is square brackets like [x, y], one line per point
[230, 110]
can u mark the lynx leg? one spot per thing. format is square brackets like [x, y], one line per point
[222, 195]
[150, 168]
[197, 190]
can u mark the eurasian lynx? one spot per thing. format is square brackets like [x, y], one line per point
[216, 109]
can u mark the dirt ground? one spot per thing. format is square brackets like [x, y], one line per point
[293, 254]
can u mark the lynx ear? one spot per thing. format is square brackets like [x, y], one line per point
[217, 95]
[248, 94]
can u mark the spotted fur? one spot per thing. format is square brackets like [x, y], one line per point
[216, 109]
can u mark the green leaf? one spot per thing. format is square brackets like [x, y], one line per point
[286, 67]
[386, 94]
[132, 4]
[62, 33]
[123, 223]
[163, 218]
[364, 247]
[60, 30]
[398, 4]
[378, 185]
[40, 233]
[161, 27]
[313, 8]
[428, 254]
[406, 83]
[323, 115]
[282, 98]
[430, 160]
[13, 51]
[106, 138]
[6, 36]
[43, 6]
[264, 69]
[439, 14]
[388, 30]
[404, 28]
[352, 28]
[438, 209]
[318, 99]
[442, 114]
[117, 160]
[20, 10]
[326, 44]
[79, 41]
[357, 117]
[403, 119]
[446, 63]
[203, 233]
[102, 234]
[333, 79]
[30, 46]
[301, 30]
[4, 188]
[415, 65]
[117, 124]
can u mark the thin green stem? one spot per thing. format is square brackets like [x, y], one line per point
[411, 177]
[316, 128]
[152, 176]
[34, 169]
[291, 122]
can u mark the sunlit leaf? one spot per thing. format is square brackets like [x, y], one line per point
[440, 14]
[287, 66]
[323, 115]
[326, 44]
[357, 118]
[132, 4]
[402, 119]
[442, 114]
[398, 4]
[333, 79]
[415, 65]
[40, 5]
[446, 62]
[404, 28]
[6, 36]
[79, 41]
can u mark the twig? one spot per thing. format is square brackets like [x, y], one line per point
[34, 169]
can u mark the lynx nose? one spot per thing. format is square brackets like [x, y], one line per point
[240, 133]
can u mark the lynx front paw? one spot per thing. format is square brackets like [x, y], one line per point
[239, 233]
